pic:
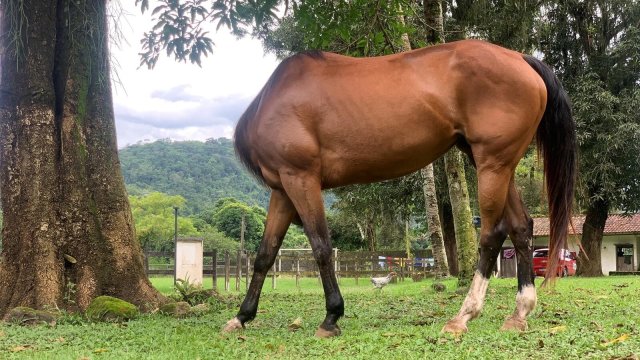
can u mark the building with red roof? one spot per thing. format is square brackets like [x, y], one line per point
[619, 249]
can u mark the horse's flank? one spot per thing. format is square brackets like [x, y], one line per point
[360, 120]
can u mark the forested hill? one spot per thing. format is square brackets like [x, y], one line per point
[202, 172]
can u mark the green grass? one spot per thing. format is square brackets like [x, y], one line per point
[401, 322]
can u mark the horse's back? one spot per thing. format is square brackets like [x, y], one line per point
[366, 119]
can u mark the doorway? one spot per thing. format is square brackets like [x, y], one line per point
[624, 257]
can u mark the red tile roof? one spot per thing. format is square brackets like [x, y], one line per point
[616, 224]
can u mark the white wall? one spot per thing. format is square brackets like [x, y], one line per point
[189, 261]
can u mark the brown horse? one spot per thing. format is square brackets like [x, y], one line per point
[324, 120]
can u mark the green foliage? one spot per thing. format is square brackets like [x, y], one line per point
[609, 138]
[530, 183]
[23, 315]
[573, 322]
[111, 309]
[228, 219]
[344, 232]
[155, 220]
[200, 172]
[155, 224]
[504, 22]
[191, 293]
[381, 207]
[357, 28]
[176, 32]
[594, 46]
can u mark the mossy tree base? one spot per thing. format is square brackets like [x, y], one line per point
[63, 194]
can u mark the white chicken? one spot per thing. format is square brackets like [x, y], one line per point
[380, 282]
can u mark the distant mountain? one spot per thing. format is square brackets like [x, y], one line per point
[202, 172]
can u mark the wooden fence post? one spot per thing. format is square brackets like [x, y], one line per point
[356, 273]
[297, 271]
[215, 269]
[227, 270]
[238, 269]
[246, 283]
[273, 278]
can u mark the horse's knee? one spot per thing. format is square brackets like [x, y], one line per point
[323, 254]
[494, 238]
[262, 264]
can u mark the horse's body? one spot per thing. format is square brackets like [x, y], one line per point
[325, 120]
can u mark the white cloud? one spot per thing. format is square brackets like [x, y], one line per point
[183, 101]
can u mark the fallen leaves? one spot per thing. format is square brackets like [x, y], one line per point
[619, 339]
[557, 329]
[19, 348]
[295, 325]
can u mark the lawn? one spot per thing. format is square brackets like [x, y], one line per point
[583, 318]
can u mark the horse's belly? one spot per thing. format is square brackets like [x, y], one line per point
[368, 158]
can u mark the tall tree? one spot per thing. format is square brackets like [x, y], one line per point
[63, 195]
[466, 240]
[594, 46]
[435, 35]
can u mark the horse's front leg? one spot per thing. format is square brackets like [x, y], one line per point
[305, 193]
[279, 217]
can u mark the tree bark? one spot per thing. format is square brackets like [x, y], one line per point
[592, 231]
[467, 243]
[449, 236]
[433, 222]
[434, 21]
[68, 234]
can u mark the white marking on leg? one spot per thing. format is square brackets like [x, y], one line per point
[473, 303]
[526, 300]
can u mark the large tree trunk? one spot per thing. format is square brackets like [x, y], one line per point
[435, 35]
[68, 233]
[592, 230]
[433, 222]
[465, 233]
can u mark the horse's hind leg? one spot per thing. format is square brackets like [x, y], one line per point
[492, 190]
[305, 193]
[521, 234]
[281, 213]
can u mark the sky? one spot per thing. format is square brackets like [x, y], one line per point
[182, 101]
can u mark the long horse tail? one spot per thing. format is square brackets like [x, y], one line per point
[556, 140]
[241, 141]
[241, 134]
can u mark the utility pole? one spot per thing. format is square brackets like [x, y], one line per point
[175, 245]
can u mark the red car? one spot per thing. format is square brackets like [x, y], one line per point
[566, 264]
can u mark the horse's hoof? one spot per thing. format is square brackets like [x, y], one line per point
[232, 325]
[514, 324]
[324, 333]
[455, 327]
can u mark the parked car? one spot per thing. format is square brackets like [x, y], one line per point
[566, 263]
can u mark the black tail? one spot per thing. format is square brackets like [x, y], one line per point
[246, 121]
[241, 141]
[556, 139]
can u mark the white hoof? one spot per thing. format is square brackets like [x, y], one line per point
[233, 325]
